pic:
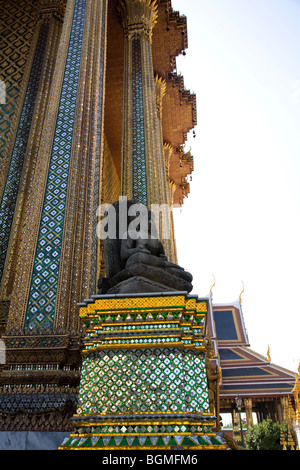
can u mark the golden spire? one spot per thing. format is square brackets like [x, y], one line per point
[297, 384]
[295, 392]
[243, 290]
[290, 441]
[291, 411]
[282, 439]
[220, 374]
[268, 354]
[285, 408]
[211, 289]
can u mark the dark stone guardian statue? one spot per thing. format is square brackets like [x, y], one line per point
[135, 261]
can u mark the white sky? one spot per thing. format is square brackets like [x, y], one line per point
[241, 219]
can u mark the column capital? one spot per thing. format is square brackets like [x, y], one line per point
[47, 7]
[138, 16]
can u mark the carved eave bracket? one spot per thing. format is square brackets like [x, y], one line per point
[181, 167]
[160, 91]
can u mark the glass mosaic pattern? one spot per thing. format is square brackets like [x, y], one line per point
[17, 24]
[143, 396]
[96, 183]
[11, 188]
[145, 441]
[144, 380]
[42, 296]
[139, 170]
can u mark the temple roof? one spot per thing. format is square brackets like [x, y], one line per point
[179, 105]
[244, 371]
[247, 373]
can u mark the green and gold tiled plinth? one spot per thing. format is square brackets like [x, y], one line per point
[143, 381]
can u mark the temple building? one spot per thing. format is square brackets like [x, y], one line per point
[74, 73]
[265, 389]
[93, 112]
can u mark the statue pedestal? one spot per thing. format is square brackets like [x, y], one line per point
[143, 379]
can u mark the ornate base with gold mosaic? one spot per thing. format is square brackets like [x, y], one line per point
[143, 381]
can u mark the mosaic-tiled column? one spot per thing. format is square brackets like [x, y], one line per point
[10, 192]
[20, 176]
[60, 208]
[170, 243]
[37, 277]
[143, 168]
[143, 379]
[17, 45]
[78, 276]
[248, 409]
[36, 353]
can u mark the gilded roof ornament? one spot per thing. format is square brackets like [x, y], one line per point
[296, 391]
[268, 354]
[243, 290]
[211, 289]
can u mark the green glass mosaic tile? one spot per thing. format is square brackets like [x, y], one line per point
[44, 281]
[150, 380]
[11, 188]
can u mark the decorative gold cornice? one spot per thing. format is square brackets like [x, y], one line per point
[138, 16]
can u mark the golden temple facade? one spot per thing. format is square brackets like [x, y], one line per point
[74, 74]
